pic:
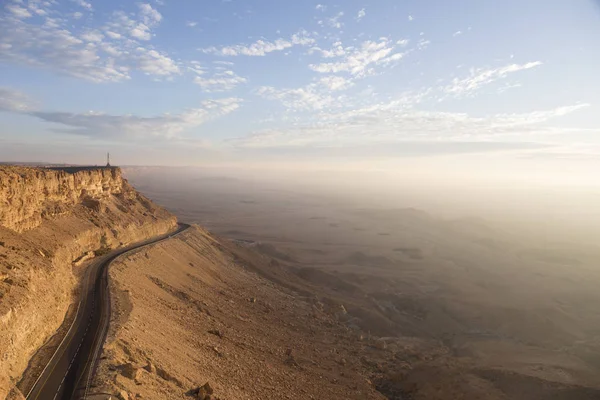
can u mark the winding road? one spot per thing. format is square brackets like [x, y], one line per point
[69, 372]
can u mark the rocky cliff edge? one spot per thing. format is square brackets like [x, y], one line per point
[51, 222]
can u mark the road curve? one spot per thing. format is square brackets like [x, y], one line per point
[69, 372]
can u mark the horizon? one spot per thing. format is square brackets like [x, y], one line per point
[444, 89]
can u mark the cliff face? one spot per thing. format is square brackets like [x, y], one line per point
[51, 220]
[28, 195]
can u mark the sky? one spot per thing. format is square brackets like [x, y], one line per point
[471, 88]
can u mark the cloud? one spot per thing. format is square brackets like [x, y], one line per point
[219, 82]
[262, 47]
[334, 22]
[361, 14]
[321, 7]
[90, 55]
[104, 126]
[397, 122]
[482, 77]
[191, 24]
[411, 18]
[423, 44]
[83, 4]
[18, 12]
[55, 48]
[141, 31]
[300, 99]
[457, 33]
[503, 121]
[113, 35]
[316, 96]
[335, 83]
[337, 50]
[149, 15]
[38, 7]
[92, 36]
[77, 15]
[141, 28]
[12, 100]
[154, 63]
[358, 61]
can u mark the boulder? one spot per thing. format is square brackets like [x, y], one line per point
[203, 392]
[122, 395]
[130, 371]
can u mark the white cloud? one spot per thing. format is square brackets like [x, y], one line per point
[337, 50]
[262, 47]
[191, 24]
[38, 7]
[358, 61]
[423, 43]
[457, 33]
[92, 36]
[335, 83]
[394, 122]
[149, 14]
[361, 14]
[141, 31]
[321, 7]
[316, 96]
[77, 15]
[113, 35]
[219, 82]
[503, 121]
[87, 55]
[411, 18]
[83, 4]
[334, 22]
[481, 77]
[154, 63]
[141, 28]
[18, 12]
[301, 99]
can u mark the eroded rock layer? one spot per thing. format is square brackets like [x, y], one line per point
[51, 222]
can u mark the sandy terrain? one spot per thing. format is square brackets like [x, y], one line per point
[193, 309]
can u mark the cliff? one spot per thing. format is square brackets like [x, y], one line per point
[50, 222]
[28, 195]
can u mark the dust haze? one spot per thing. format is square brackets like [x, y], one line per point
[488, 289]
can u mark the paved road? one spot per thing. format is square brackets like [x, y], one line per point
[69, 372]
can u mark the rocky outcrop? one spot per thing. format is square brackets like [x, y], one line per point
[50, 223]
[28, 195]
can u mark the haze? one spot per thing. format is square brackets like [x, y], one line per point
[506, 277]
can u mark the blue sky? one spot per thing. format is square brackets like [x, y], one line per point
[300, 82]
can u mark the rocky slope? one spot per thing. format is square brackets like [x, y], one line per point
[51, 221]
[190, 311]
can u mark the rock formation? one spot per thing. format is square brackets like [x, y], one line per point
[51, 222]
[28, 195]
